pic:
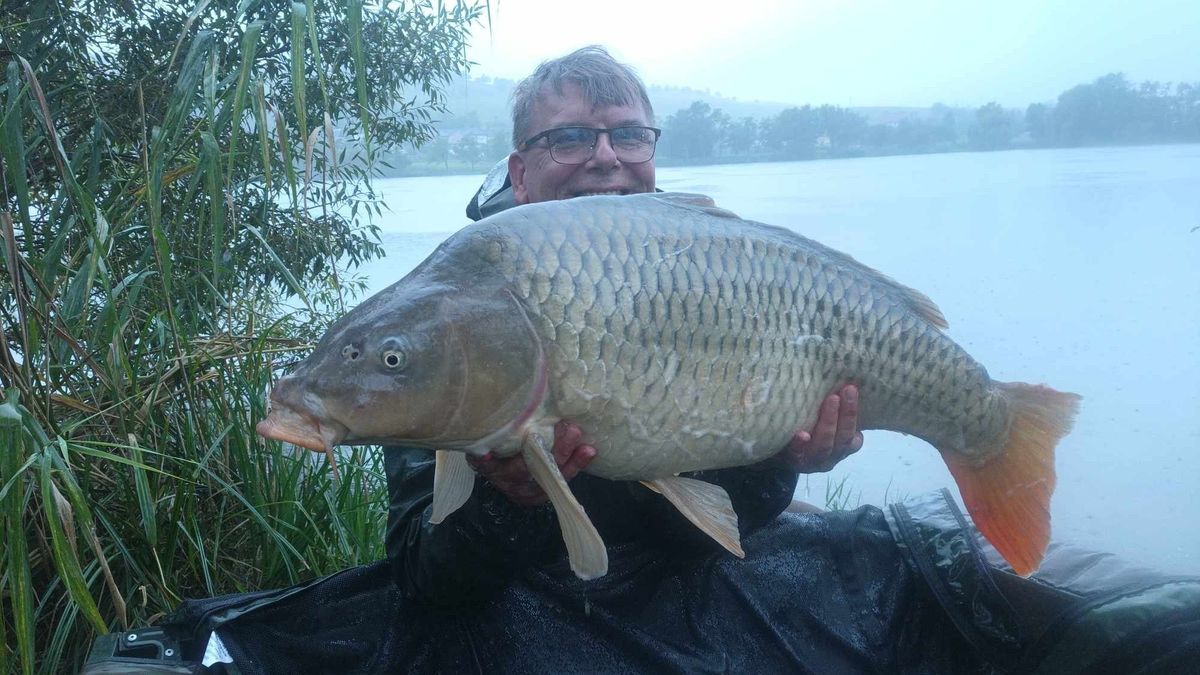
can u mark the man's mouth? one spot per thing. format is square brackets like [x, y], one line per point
[596, 193]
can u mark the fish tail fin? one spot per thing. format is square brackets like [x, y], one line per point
[1008, 496]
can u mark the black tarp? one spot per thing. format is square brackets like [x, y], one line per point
[910, 590]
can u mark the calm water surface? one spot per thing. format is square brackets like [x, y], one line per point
[1076, 268]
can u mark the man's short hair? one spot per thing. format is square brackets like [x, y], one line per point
[603, 80]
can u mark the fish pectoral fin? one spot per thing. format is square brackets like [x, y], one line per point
[585, 548]
[453, 481]
[706, 505]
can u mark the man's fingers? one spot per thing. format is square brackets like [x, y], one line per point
[512, 471]
[572, 457]
[511, 476]
[566, 439]
[516, 483]
[827, 423]
[847, 418]
[856, 443]
[501, 470]
[481, 464]
[578, 461]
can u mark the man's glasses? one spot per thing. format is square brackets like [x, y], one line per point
[576, 145]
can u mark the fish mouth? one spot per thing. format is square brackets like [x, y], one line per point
[298, 428]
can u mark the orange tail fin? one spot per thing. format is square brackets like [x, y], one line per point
[1009, 496]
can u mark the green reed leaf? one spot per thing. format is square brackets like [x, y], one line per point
[210, 166]
[13, 150]
[249, 52]
[18, 580]
[354, 9]
[264, 137]
[59, 519]
[299, 23]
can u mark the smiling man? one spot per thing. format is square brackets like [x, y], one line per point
[569, 156]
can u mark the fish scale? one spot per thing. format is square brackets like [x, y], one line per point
[678, 337]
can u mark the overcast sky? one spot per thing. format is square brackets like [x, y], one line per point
[858, 53]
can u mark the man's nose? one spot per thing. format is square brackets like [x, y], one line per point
[604, 155]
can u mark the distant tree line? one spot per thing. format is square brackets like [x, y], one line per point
[1109, 110]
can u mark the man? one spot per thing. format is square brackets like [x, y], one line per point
[583, 125]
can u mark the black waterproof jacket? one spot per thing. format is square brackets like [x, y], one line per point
[480, 547]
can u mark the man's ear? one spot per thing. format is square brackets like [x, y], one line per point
[516, 173]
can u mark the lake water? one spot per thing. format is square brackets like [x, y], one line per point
[1075, 268]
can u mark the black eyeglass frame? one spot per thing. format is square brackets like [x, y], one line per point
[525, 145]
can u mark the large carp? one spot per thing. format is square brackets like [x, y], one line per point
[678, 337]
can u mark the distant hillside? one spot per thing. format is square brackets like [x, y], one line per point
[476, 128]
[700, 127]
[669, 100]
[482, 104]
[478, 103]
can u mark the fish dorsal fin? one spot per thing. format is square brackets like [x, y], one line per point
[922, 305]
[695, 202]
[706, 505]
[453, 481]
[585, 548]
[916, 301]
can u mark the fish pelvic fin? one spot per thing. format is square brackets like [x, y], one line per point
[585, 548]
[1008, 496]
[453, 482]
[706, 505]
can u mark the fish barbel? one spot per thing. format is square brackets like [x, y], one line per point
[678, 337]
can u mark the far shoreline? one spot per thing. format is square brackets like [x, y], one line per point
[662, 163]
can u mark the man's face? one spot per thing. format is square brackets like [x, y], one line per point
[536, 177]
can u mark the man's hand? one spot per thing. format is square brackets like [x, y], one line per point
[834, 437]
[511, 477]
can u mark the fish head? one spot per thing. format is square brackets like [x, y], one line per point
[436, 368]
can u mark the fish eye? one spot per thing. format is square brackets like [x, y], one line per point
[393, 352]
[351, 352]
[395, 358]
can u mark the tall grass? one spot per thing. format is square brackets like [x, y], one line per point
[142, 326]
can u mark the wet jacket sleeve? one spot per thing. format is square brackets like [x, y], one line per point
[474, 552]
